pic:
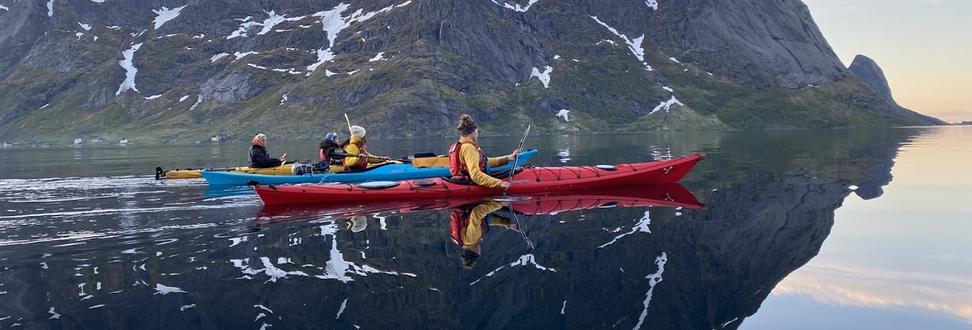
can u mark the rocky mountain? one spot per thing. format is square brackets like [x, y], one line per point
[869, 72]
[160, 70]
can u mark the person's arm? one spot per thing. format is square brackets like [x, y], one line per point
[498, 161]
[474, 232]
[470, 156]
[352, 159]
[271, 162]
[503, 160]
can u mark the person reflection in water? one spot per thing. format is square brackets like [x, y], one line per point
[357, 223]
[470, 223]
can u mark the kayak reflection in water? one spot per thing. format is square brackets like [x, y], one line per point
[259, 157]
[470, 223]
[468, 163]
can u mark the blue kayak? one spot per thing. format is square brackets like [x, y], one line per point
[386, 172]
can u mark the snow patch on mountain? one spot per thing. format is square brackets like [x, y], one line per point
[653, 4]
[128, 64]
[544, 76]
[666, 105]
[333, 23]
[217, 57]
[240, 55]
[165, 14]
[275, 19]
[272, 20]
[199, 99]
[634, 45]
[378, 57]
[516, 7]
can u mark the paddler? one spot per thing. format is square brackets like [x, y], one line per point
[467, 162]
[469, 224]
[329, 151]
[259, 158]
[355, 149]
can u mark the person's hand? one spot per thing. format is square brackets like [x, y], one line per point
[513, 155]
[505, 185]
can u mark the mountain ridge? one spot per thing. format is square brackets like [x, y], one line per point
[408, 68]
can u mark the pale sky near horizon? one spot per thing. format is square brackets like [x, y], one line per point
[923, 46]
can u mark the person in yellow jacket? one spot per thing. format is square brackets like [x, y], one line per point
[467, 160]
[469, 224]
[357, 153]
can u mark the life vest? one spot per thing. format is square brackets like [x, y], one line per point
[459, 220]
[362, 161]
[328, 154]
[457, 169]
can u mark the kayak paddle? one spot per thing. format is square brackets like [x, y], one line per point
[517, 156]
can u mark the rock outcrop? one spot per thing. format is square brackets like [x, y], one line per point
[869, 72]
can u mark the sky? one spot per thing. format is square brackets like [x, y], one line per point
[923, 46]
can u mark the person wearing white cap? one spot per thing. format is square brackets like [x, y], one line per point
[358, 223]
[259, 157]
[356, 150]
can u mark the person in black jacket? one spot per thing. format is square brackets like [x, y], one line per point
[259, 158]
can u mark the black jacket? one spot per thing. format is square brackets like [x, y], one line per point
[259, 158]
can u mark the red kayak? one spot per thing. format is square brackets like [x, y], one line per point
[661, 195]
[529, 181]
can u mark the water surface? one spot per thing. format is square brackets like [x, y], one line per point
[838, 228]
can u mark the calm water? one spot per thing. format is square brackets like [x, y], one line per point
[88, 239]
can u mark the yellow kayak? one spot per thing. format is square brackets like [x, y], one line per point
[193, 173]
[285, 169]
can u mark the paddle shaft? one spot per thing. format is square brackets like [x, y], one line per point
[516, 157]
[519, 229]
[348, 120]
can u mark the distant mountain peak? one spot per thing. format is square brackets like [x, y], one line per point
[871, 74]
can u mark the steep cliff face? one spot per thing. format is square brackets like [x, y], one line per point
[162, 71]
[763, 43]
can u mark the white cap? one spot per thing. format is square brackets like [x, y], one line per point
[358, 223]
[358, 131]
